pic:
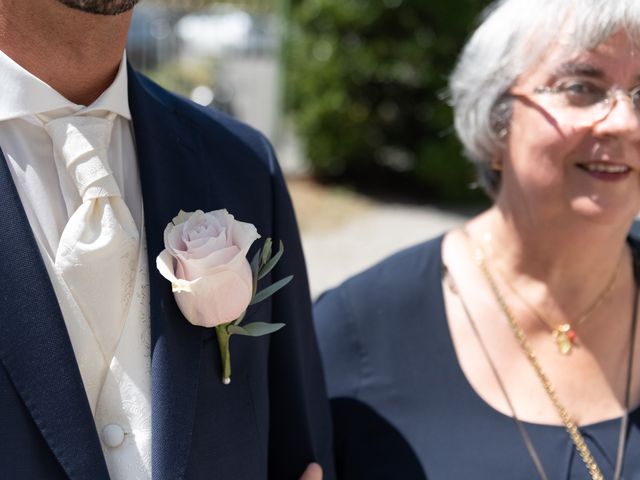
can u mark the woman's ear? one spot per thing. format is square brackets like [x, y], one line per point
[496, 163]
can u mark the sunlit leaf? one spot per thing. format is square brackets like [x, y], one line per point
[271, 263]
[266, 252]
[270, 290]
[255, 329]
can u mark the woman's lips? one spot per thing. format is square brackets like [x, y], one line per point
[605, 170]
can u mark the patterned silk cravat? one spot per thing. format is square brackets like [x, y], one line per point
[98, 249]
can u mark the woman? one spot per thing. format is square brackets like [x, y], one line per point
[508, 349]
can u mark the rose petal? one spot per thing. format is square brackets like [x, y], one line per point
[165, 263]
[217, 299]
[203, 227]
[194, 268]
[193, 239]
[210, 245]
[207, 229]
[181, 217]
[179, 270]
[205, 261]
[200, 232]
[173, 239]
[194, 221]
[243, 235]
[203, 246]
[195, 244]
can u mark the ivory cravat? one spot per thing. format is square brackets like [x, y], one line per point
[98, 248]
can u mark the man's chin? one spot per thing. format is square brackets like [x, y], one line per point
[101, 7]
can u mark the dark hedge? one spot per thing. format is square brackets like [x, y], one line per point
[365, 84]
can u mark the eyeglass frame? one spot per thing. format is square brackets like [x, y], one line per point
[610, 100]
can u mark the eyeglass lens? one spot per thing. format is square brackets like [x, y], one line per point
[590, 110]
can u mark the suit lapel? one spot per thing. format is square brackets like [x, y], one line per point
[35, 348]
[170, 182]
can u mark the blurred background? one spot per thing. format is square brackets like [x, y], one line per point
[352, 93]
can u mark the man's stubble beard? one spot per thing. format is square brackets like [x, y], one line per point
[101, 7]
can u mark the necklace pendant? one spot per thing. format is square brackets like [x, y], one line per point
[565, 338]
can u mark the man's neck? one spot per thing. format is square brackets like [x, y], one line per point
[76, 53]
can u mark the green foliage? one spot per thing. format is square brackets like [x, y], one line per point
[365, 83]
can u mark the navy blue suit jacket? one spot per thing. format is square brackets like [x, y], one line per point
[268, 423]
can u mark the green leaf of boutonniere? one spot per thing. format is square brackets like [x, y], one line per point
[268, 266]
[266, 252]
[270, 290]
[261, 264]
[255, 329]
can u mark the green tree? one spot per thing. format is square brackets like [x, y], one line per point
[365, 83]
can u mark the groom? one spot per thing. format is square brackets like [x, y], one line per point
[100, 374]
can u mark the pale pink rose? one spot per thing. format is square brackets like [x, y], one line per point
[205, 259]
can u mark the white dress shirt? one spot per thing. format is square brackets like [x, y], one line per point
[118, 392]
[28, 151]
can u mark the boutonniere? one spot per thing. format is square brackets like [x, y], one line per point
[205, 259]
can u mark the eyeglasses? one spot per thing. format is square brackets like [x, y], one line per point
[579, 103]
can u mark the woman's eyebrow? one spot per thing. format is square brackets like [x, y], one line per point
[579, 69]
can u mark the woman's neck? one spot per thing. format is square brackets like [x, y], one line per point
[565, 266]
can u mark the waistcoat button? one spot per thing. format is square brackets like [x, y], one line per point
[112, 435]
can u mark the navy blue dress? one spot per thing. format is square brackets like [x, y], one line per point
[402, 407]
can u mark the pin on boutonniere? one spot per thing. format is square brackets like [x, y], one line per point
[205, 259]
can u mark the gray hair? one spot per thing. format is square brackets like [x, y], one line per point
[513, 35]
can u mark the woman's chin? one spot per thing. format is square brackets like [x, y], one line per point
[604, 210]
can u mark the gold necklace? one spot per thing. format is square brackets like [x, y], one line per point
[565, 335]
[569, 425]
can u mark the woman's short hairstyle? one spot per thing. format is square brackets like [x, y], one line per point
[513, 36]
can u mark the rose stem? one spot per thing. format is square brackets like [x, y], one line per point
[225, 356]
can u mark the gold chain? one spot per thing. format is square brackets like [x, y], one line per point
[563, 413]
[564, 334]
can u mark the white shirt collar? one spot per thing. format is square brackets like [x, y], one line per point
[24, 95]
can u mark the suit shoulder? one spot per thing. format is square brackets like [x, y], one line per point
[214, 124]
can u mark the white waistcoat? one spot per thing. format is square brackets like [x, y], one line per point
[119, 391]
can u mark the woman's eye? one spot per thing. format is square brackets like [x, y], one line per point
[635, 98]
[581, 93]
